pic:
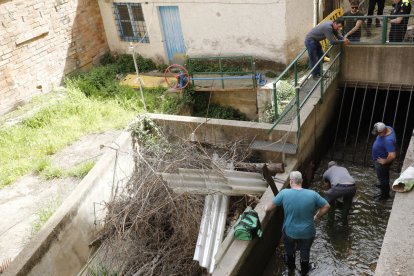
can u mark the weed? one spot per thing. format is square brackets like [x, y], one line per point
[43, 215]
[81, 170]
[270, 74]
[24, 147]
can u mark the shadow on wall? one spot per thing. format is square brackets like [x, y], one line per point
[88, 39]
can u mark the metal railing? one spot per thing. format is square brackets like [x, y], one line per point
[221, 70]
[380, 30]
[305, 86]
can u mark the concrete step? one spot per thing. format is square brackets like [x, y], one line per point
[286, 148]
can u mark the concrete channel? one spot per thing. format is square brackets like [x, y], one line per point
[61, 247]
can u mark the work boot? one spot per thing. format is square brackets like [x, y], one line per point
[304, 268]
[290, 262]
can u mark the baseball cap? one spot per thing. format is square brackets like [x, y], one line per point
[378, 128]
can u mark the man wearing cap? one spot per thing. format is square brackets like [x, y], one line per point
[383, 154]
[340, 184]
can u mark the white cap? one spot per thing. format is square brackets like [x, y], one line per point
[378, 128]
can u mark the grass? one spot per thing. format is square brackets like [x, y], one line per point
[43, 216]
[93, 102]
[24, 147]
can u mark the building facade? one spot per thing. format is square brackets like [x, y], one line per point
[271, 30]
[43, 40]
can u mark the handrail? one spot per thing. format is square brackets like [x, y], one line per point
[385, 28]
[298, 86]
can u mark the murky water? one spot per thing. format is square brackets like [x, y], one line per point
[348, 248]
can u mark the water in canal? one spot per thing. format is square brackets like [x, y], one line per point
[350, 248]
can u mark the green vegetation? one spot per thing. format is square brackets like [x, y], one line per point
[93, 102]
[24, 147]
[47, 171]
[43, 216]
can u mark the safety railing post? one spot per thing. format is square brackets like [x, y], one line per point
[297, 89]
[322, 78]
[253, 66]
[295, 68]
[384, 30]
[275, 101]
[221, 72]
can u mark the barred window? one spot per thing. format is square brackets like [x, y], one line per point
[131, 22]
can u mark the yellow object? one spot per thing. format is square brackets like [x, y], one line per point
[326, 59]
[332, 16]
[147, 81]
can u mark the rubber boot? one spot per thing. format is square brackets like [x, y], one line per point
[290, 261]
[331, 212]
[304, 268]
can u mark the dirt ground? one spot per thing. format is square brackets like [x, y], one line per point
[22, 202]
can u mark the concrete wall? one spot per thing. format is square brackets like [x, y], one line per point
[242, 100]
[219, 131]
[246, 27]
[397, 247]
[43, 40]
[62, 245]
[299, 21]
[390, 64]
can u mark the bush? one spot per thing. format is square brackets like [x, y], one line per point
[270, 74]
[124, 63]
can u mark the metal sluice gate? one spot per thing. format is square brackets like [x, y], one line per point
[361, 106]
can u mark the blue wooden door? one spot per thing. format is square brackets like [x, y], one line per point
[171, 27]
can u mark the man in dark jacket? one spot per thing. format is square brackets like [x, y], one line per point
[399, 24]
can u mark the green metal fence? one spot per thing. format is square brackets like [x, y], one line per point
[222, 71]
[305, 86]
[381, 27]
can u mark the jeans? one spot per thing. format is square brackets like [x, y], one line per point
[304, 246]
[383, 175]
[315, 53]
[347, 193]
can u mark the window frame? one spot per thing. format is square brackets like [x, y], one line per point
[138, 26]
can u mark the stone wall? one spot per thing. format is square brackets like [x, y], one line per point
[42, 41]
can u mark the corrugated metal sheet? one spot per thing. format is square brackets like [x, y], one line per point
[173, 35]
[227, 182]
[211, 232]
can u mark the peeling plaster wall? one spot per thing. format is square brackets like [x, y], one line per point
[299, 20]
[235, 27]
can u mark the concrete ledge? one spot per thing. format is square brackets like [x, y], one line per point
[62, 246]
[397, 248]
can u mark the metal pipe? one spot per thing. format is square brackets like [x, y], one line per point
[339, 120]
[405, 126]
[396, 107]
[370, 124]
[298, 114]
[349, 122]
[138, 77]
[359, 123]
[385, 105]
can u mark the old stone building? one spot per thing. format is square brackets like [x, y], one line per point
[43, 40]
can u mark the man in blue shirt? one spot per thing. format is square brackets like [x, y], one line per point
[383, 154]
[302, 207]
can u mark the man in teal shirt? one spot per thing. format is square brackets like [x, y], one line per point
[301, 208]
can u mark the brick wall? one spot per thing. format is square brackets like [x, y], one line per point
[43, 40]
